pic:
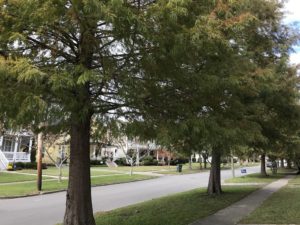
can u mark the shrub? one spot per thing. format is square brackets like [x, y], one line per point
[121, 162]
[33, 155]
[10, 167]
[149, 161]
[224, 160]
[19, 165]
[24, 165]
[95, 162]
[180, 160]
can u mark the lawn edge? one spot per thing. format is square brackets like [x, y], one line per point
[65, 189]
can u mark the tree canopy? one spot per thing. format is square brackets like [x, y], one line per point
[192, 72]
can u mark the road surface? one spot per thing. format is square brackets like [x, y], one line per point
[49, 209]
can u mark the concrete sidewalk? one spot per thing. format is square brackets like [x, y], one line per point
[237, 211]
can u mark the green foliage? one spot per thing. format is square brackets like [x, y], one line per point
[30, 165]
[193, 75]
[149, 161]
[121, 162]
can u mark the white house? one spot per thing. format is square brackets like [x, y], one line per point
[119, 148]
[15, 147]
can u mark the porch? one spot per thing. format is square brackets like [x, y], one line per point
[15, 148]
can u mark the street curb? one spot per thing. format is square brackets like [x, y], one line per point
[62, 190]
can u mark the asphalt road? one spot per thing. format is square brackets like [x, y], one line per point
[49, 209]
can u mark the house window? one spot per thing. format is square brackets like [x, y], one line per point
[24, 144]
[8, 144]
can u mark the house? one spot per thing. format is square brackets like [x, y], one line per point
[119, 148]
[15, 147]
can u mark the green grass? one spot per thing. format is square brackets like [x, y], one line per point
[255, 178]
[10, 177]
[196, 168]
[53, 171]
[179, 209]
[142, 168]
[96, 171]
[12, 190]
[118, 179]
[184, 171]
[281, 208]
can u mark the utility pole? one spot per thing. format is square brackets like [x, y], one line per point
[232, 164]
[39, 160]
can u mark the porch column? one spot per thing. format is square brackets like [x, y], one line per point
[29, 148]
[94, 152]
[1, 143]
[16, 148]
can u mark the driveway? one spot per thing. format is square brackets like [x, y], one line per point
[49, 209]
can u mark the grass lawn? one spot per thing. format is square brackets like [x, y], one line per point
[142, 168]
[255, 178]
[179, 209]
[281, 208]
[53, 171]
[10, 177]
[96, 171]
[158, 169]
[11, 190]
[196, 168]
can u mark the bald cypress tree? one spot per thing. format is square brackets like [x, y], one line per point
[71, 60]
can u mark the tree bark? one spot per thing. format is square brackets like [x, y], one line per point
[40, 161]
[263, 171]
[79, 210]
[282, 163]
[190, 164]
[200, 162]
[289, 164]
[205, 160]
[214, 185]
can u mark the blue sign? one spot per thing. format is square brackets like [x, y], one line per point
[243, 171]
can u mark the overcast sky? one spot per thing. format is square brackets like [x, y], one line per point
[292, 16]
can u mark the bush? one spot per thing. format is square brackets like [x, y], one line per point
[149, 161]
[19, 165]
[95, 162]
[10, 167]
[33, 155]
[180, 160]
[224, 160]
[121, 162]
[29, 165]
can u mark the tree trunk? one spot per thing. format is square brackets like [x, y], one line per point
[40, 161]
[205, 160]
[79, 210]
[190, 164]
[232, 166]
[282, 163]
[289, 164]
[131, 169]
[263, 171]
[214, 185]
[200, 162]
[60, 174]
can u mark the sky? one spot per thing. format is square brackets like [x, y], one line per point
[292, 16]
